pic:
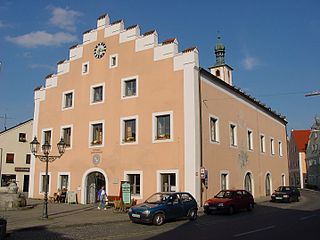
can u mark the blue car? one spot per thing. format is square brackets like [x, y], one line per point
[164, 206]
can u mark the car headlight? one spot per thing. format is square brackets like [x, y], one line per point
[130, 210]
[220, 204]
[146, 212]
[286, 196]
[206, 204]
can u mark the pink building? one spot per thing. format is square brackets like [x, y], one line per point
[131, 108]
[297, 157]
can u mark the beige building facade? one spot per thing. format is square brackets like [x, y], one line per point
[15, 156]
[133, 109]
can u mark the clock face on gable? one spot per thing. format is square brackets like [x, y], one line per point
[100, 50]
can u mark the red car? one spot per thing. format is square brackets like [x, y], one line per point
[229, 201]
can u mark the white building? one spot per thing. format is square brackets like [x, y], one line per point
[15, 155]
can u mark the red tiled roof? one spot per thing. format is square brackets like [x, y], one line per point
[301, 137]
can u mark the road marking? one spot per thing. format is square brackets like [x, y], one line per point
[253, 231]
[307, 217]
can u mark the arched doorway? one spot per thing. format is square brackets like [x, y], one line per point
[268, 185]
[248, 183]
[95, 180]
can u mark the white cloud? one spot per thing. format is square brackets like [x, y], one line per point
[42, 38]
[45, 66]
[64, 18]
[250, 62]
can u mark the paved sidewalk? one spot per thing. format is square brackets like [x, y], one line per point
[60, 215]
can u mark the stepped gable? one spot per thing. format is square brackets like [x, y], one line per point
[148, 40]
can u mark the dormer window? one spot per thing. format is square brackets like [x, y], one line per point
[218, 73]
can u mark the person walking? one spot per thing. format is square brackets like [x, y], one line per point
[102, 195]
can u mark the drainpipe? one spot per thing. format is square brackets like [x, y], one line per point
[201, 143]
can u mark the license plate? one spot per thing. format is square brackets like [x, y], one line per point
[278, 197]
[135, 215]
[213, 208]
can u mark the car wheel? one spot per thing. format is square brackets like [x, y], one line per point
[250, 207]
[231, 210]
[158, 219]
[207, 212]
[192, 214]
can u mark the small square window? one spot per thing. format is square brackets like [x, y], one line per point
[85, 68]
[97, 94]
[22, 137]
[10, 158]
[113, 61]
[129, 87]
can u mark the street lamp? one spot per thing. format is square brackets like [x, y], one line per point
[46, 147]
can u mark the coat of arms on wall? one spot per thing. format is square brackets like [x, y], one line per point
[243, 158]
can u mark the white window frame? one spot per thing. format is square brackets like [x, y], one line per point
[262, 142]
[59, 179]
[63, 107]
[272, 146]
[40, 182]
[250, 139]
[90, 134]
[235, 134]
[71, 137]
[224, 172]
[138, 172]
[158, 177]
[122, 130]
[83, 68]
[123, 87]
[217, 140]
[280, 149]
[154, 127]
[110, 60]
[92, 93]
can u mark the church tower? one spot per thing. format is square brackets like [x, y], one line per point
[220, 69]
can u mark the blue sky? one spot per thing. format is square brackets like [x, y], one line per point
[273, 46]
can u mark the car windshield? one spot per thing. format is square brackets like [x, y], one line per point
[283, 189]
[157, 198]
[224, 194]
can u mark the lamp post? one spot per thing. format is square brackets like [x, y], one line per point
[34, 146]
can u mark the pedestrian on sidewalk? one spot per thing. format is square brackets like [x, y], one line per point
[102, 195]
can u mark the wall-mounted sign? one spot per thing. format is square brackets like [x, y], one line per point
[202, 173]
[126, 192]
[22, 169]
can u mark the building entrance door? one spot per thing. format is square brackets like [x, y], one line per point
[268, 185]
[26, 183]
[248, 183]
[95, 181]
